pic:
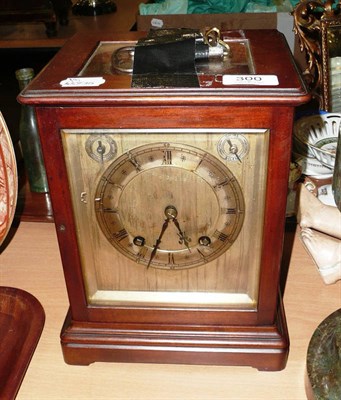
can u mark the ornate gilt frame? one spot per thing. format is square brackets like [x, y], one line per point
[312, 22]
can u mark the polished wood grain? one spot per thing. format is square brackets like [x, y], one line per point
[32, 262]
[270, 55]
[21, 323]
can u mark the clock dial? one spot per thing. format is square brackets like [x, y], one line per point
[233, 147]
[199, 189]
[101, 148]
[168, 218]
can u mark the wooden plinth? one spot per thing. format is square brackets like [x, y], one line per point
[263, 347]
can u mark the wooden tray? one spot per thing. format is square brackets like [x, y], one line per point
[21, 322]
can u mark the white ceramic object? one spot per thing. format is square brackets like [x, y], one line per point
[312, 167]
[316, 136]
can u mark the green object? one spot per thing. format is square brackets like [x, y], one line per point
[216, 6]
[164, 7]
[324, 359]
[29, 139]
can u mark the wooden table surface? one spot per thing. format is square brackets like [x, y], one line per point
[29, 35]
[31, 262]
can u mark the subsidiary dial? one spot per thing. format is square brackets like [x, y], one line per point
[233, 147]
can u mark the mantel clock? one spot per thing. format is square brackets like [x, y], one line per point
[169, 202]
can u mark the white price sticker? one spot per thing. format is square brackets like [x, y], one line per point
[82, 81]
[156, 23]
[258, 80]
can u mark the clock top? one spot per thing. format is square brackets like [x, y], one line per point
[259, 69]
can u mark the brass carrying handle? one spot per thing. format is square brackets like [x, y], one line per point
[212, 37]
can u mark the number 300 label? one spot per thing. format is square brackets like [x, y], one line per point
[260, 80]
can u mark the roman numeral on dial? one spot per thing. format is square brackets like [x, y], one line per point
[120, 235]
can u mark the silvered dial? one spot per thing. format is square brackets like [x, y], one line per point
[233, 147]
[169, 205]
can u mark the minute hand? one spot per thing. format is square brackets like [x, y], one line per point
[158, 241]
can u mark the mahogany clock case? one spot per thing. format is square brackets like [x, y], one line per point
[124, 306]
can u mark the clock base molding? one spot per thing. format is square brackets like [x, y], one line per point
[263, 347]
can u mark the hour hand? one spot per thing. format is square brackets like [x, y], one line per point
[234, 150]
[158, 241]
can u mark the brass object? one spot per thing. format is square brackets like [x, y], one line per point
[123, 59]
[206, 197]
[323, 373]
[318, 27]
[212, 37]
[193, 206]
